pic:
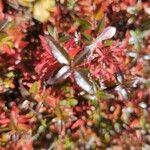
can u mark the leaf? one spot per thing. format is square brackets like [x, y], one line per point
[8, 83]
[23, 91]
[83, 54]
[146, 24]
[146, 57]
[48, 4]
[64, 38]
[87, 37]
[122, 91]
[58, 52]
[44, 43]
[108, 42]
[103, 95]
[3, 24]
[89, 97]
[84, 23]
[101, 24]
[119, 76]
[61, 75]
[10, 74]
[3, 35]
[107, 137]
[71, 4]
[42, 9]
[12, 3]
[147, 84]
[99, 15]
[78, 123]
[35, 87]
[50, 30]
[132, 10]
[68, 144]
[82, 80]
[69, 102]
[107, 33]
[133, 54]
[88, 50]
[137, 37]
[5, 39]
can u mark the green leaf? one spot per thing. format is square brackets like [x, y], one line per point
[50, 30]
[147, 84]
[103, 95]
[64, 38]
[10, 74]
[87, 37]
[101, 25]
[43, 123]
[137, 38]
[146, 24]
[68, 144]
[4, 38]
[2, 35]
[69, 102]
[108, 42]
[107, 137]
[71, 4]
[143, 120]
[84, 23]
[35, 87]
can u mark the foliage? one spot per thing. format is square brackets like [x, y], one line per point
[74, 74]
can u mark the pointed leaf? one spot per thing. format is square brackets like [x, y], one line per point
[71, 4]
[24, 92]
[122, 91]
[108, 42]
[101, 25]
[132, 54]
[104, 95]
[58, 52]
[82, 80]
[35, 87]
[119, 76]
[84, 23]
[146, 57]
[107, 33]
[61, 75]
[83, 54]
[87, 37]
[3, 24]
[89, 96]
[12, 3]
[69, 102]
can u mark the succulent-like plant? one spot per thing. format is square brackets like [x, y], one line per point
[71, 67]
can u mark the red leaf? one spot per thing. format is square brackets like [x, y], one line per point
[45, 44]
[1, 10]
[77, 124]
[4, 121]
[72, 48]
